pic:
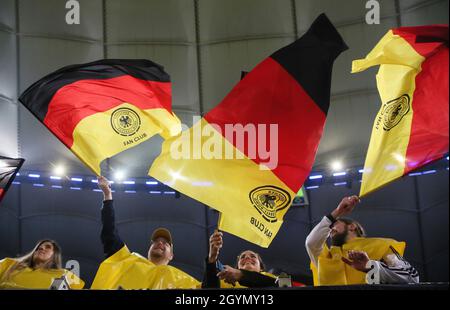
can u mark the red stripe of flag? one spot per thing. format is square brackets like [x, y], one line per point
[430, 130]
[88, 97]
[281, 100]
[424, 39]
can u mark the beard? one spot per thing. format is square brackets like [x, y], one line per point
[339, 239]
[157, 254]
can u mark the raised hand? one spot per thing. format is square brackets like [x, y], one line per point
[103, 184]
[346, 206]
[215, 244]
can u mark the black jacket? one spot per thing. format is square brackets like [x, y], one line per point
[110, 235]
[249, 279]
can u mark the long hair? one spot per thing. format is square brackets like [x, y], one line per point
[261, 263]
[360, 231]
[26, 261]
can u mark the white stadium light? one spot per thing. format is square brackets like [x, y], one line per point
[59, 170]
[336, 165]
[339, 174]
[312, 187]
[414, 174]
[315, 177]
[119, 175]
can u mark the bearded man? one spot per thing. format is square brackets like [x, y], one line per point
[353, 258]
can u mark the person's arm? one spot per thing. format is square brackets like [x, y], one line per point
[210, 279]
[256, 280]
[318, 236]
[401, 273]
[394, 269]
[110, 236]
[316, 239]
[246, 278]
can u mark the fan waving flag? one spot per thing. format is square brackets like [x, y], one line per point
[411, 128]
[249, 155]
[8, 170]
[102, 108]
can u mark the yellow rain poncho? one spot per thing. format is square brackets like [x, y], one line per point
[126, 270]
[28, 278]
[333, 271]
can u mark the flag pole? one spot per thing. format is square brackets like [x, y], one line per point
[218, 222]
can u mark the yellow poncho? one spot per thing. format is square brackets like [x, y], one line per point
[333, 271]
[126, 270]
[28, 278]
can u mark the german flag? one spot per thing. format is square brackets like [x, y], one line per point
[102, 108]
[411, 128]
[8, 170]
[279, 109]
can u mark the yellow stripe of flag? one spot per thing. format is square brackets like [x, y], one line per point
[400, 64]
[105, 134]
[235, 199]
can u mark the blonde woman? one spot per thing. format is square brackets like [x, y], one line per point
[37, 269]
